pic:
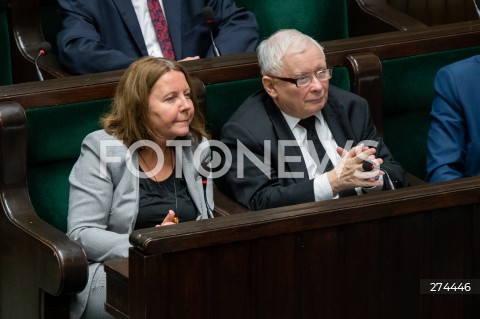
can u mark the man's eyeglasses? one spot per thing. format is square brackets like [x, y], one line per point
[321, 75]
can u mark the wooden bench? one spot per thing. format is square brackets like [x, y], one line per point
[38, 147]
[368, 257]
[436, 12]
[408, 76]
[56, 109]
[393, 71]
[329, 20]
[39, 265]
[41, 127]
[35, 21]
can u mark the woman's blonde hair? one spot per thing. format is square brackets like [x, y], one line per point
[128, 119]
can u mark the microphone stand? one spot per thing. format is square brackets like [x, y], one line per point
[208, 15]
[37, 68]
[216, 51]
[476, 8]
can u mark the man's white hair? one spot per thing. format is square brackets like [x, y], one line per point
[271, 50]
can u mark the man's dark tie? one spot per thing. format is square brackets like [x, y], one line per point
[309, 125]
[161, 28]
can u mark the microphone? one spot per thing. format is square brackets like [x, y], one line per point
[204, 184]
[208, 14]
[43, 48]
[369, 166]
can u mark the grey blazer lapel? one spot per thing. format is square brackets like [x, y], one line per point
[194, 183]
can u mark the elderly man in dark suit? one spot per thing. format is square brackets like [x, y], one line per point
[109, 35]
[279, 136]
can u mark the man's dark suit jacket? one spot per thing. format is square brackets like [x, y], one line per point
[104, 35]
[259, 119]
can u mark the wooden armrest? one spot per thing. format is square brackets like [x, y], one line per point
[58, 265]
[377, 16]
[26, 35]
[51, 68]
[365, 71]
[414, 180]
[394, 17]
[34, 255]
[224, 205]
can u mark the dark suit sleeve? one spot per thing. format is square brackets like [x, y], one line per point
[259, 189]
[395, 171]
[369, 137]
[237, 29]
[81, 47]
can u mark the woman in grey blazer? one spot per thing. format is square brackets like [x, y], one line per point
[142, 170]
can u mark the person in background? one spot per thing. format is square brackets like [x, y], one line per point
[297, 105]
[109, 35]
[453, 147]
[127, 176]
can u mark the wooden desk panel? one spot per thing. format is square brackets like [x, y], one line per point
[345, 258]
[117, 287]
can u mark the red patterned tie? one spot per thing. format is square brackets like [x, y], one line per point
[161, 28]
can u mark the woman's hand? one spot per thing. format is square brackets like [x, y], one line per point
[170, 219]
[190, 58]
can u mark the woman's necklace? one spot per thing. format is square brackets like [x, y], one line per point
[175, 219]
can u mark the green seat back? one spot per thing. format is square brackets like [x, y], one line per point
[408, 93]
[5, 61]
[321, 19]
[54, 138]
[223, 99]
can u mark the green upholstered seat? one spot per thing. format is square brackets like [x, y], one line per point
[5, 61]
[321, 19]
[54, 138]
[408, 93]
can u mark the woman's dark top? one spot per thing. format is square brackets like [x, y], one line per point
[157, 198]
